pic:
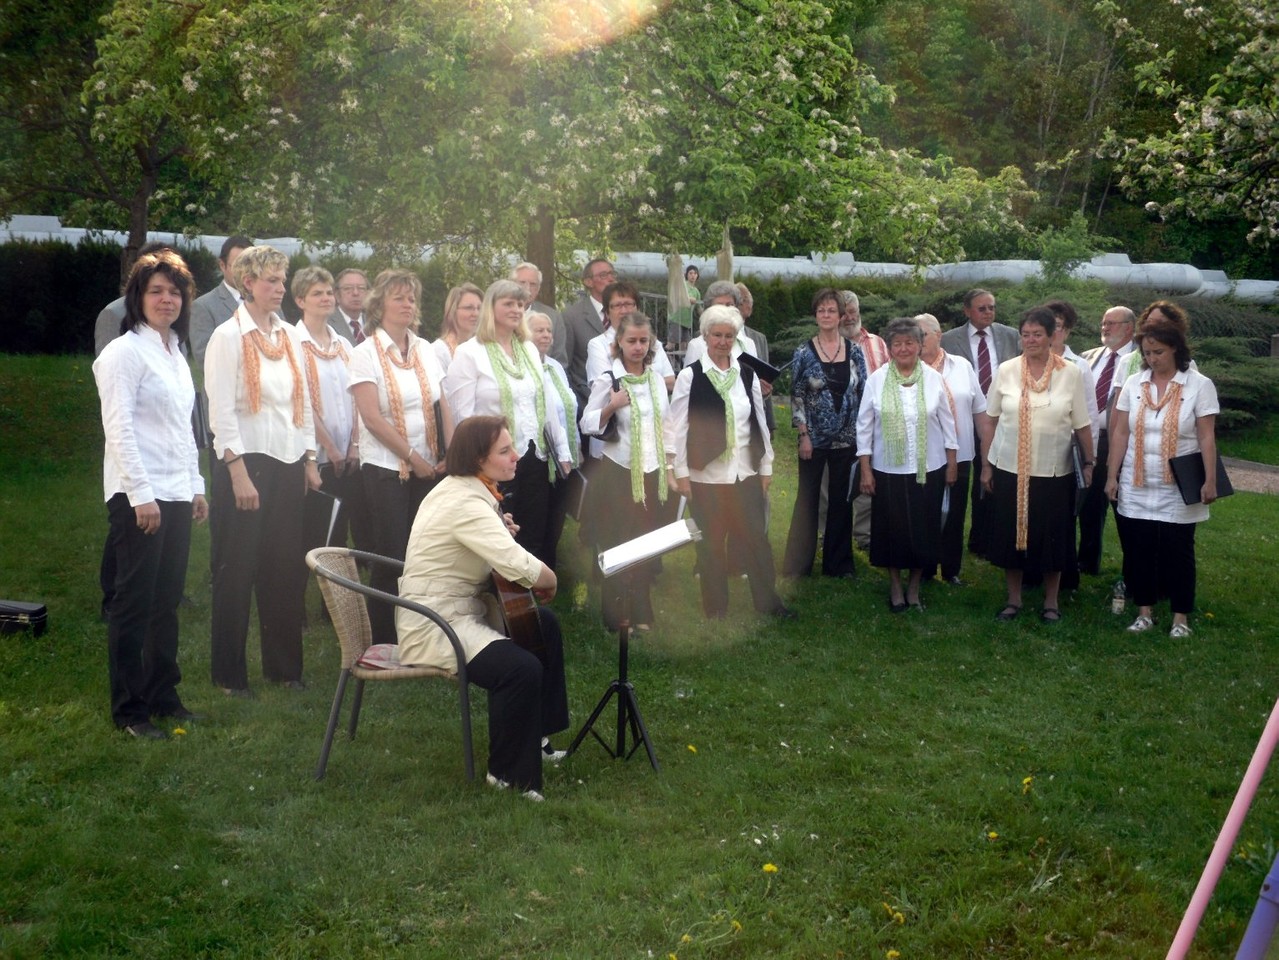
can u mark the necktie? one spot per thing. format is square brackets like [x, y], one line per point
[1104, 381]
[357, 333]
[983, 362]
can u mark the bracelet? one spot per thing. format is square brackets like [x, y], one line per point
[1090, 463]
[312, 458]
[238, 456]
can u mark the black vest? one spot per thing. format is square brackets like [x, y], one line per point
[706, 420]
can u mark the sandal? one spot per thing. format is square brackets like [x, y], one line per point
[1009, 612]
[1050, 615]
[1180, 630]
[898, 607]
[1141, 624]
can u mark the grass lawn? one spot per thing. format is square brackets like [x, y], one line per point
[933, 784]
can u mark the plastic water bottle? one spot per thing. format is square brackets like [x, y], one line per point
[1117, 597]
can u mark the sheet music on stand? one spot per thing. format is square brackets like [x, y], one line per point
[649, 545]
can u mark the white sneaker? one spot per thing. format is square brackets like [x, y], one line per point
[1180, 630]
[1141, 624]
[550, 754]
[500, 784]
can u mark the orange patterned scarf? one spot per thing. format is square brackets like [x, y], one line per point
[950, 397]
[1167, 435]
[254, 344]
[396, 402]
[314, 352]
[1024, 438]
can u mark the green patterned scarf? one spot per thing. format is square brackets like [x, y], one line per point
[723, 382]
[504, 371]
[895, 420]
[570, 422]
[632, 384]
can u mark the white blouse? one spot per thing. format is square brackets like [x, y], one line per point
[366, 368]
[739, 467]
[235, 426]
[332, 378]
[939, 432]
[472, 389]
[965, 388]
[1055, 415]
[555, 373]
[619, 450]
[1160, 499]
[147, 394]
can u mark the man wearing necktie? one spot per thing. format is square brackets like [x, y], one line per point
[348, 317]
[985, 344]
[583, 322]
[1118, 324]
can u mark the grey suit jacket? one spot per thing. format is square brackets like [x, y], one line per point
[581, 325]
[207, 313]
[1007, 343]
[341, 326]
[107, 326]
[559, 341]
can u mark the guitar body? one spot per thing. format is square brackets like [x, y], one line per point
[519, 614]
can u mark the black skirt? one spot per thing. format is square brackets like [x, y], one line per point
[1050, 540]
[905, 520]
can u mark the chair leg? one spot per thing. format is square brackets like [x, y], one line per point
[468, 753]
[334, 713]
[355, 708]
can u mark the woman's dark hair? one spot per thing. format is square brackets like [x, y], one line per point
[1170, 335]
[472, 440]
[827, 293]
[173, 267]
[1173, 313]
[1040, 317]
[1064, 311]
[691, 268]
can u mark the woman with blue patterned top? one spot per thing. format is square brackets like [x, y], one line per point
[829, 374]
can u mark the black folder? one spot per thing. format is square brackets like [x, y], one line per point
[1188, 472]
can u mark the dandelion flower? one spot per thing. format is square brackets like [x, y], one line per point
[892, 955]
[992, 835]
[770, 868]
[691, 748]
[899, 917]
[686, 939]
[1027, 784]
[737, 927]
[179, 732]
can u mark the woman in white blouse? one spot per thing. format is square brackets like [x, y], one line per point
[325, 358]
[397, 384]
[907, 445]
[630, 486]
[1037, 407]
[499, 373]
[461, 317]
[560, 395]
[264, 440]
[717, 439]
[1166, 410]
[153, 489]
[963, 393]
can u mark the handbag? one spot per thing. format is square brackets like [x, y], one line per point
[609, 432]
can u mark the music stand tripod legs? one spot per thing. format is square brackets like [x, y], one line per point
[629, 717]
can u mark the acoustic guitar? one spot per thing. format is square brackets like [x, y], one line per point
[519, 614]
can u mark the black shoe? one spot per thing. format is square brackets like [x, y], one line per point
[898, 607]
[783, 613]
[146, 730]
[239, 693]
[293, 685]
[182, 713]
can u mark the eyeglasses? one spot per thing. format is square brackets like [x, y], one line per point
[621, 304]
[604, 275]
[346, 288]
[1116, 323]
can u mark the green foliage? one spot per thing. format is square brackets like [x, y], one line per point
[1062, 250]
[53, 292]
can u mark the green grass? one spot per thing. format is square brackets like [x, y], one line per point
[874, 760]
[1259, 442]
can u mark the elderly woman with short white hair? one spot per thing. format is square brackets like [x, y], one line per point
[963, 394]
[717, 439]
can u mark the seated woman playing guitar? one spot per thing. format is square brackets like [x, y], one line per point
[459, 539]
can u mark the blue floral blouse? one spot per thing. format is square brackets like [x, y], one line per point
[813, 403]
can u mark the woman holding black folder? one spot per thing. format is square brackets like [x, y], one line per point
[1165, 410]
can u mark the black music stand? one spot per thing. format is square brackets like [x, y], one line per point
[617, 562]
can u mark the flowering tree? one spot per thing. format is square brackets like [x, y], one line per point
[1222, 156]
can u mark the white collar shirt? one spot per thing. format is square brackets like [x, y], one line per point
[332, 378]
[366, 368]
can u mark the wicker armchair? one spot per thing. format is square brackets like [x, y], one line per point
[344, 596]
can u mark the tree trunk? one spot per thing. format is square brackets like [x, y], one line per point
[139, 214]
[541, 251]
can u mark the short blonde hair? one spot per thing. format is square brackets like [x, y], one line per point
[499, 290]
[388, 282]
[720, 316]
[255, 261]
[448, 324]
[308, 277]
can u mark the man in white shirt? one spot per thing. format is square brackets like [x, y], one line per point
[583, 322]
[348, 316]
[529, 276]
[216, 306]
[1118, 325]
[985, 344]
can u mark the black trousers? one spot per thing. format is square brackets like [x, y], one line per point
[528, 500]
[1159, 561]
[528, 700]
[736, 509]
[142, 635]
[982, 504]
[392, 504]
[317, 510]
[952, 531]
[837, 540]
[259, 555]
[106, 570]
[1092, 514]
